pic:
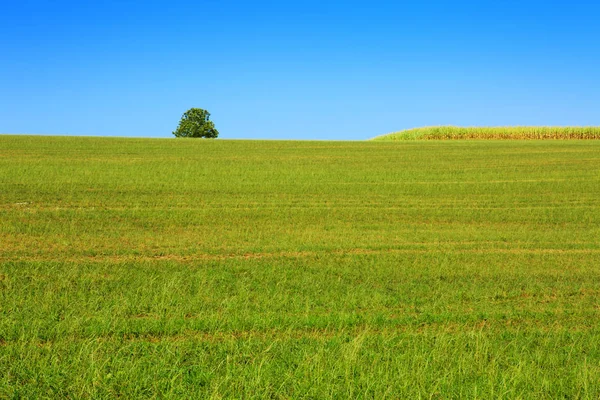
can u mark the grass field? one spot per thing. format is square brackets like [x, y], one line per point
[216, 269]
[496, 133]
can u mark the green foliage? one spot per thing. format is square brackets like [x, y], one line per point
[500, 132]
[155, 268]
[196, 123]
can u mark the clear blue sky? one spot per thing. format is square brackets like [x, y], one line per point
[296, 69]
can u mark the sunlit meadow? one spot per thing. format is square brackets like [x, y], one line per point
[266, 269]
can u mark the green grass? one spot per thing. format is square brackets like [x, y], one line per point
[500, 132]
[249, 269]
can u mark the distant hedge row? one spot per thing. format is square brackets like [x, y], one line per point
[509, 132]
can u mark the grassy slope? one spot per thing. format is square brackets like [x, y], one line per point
[299, 269]
[502, 132]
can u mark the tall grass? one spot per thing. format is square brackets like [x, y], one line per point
[506, 132]
[136, 268]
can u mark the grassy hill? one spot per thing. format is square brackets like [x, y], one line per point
[211, 269]
[506, 132]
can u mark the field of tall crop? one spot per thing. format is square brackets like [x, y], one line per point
[497, 133]
[262, 269]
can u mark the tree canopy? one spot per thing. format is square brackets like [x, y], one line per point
[196, 123]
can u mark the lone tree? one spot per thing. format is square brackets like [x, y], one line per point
[195, 123]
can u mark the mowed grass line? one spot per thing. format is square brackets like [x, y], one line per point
[228, 269]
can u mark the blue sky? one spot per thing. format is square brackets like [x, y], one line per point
[296, 70]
